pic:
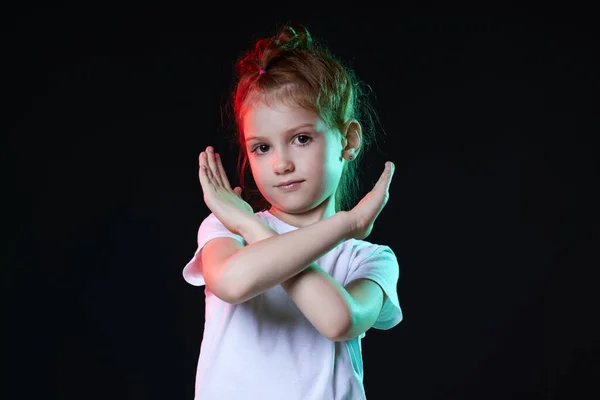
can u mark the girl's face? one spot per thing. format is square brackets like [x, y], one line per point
[287, 143]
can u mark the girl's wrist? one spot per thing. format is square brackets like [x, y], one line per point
[347, 224]
[253, 229]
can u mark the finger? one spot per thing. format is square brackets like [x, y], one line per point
[238, 191]
[202, 159]
[203, 173]
[386, 176]
[203, 165]
[212, 165]
[205, 169]
[222, 172]
[211, 176]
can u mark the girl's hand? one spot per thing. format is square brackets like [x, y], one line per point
[363, 215]
[227, 204]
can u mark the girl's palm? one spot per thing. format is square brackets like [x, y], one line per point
[368, 209]
[227, 204]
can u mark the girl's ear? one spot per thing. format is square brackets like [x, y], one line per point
[351, 139]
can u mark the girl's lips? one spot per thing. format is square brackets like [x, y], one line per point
[286, 183]
[292, 186]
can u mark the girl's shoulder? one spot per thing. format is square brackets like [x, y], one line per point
[365, 248]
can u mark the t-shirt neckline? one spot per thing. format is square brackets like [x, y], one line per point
[280, 222]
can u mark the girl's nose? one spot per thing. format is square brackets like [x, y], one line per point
[282, 164]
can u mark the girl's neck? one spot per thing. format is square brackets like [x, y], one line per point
[325, 210]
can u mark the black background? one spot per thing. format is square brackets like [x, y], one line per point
[490, 116]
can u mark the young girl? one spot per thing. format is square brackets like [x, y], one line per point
[292, 288]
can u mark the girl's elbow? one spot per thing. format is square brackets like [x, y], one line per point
[226, 290]
[340, 327]
[340, 335]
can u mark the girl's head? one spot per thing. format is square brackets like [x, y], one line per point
[300, 115]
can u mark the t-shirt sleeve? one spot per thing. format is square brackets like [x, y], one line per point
[381, 265]
[209, 229]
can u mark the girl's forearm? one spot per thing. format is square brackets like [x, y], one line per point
[270, 259]
[322, 300]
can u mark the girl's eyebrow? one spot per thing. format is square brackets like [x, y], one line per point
[287, 132]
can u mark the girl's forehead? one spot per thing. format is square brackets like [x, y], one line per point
[274, 118]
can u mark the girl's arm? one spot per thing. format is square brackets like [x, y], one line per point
[313, 292]
[337, 312]
[270, 259]
[322, 300]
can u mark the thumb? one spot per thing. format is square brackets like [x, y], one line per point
[385, 179]
[238, 191]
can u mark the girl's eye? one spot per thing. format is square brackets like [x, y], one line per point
[261, 148]
[305, 139]
[301, 140]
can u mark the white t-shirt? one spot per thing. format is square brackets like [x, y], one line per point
[265, 349]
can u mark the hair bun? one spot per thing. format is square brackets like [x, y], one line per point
[292, 37]
[267, 52]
